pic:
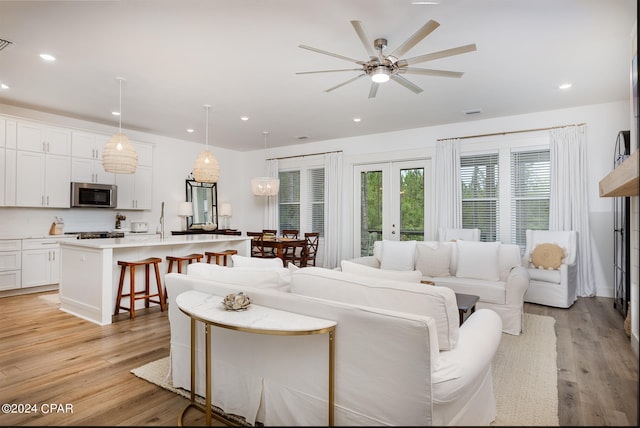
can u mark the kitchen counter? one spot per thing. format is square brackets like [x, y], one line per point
[90, 273]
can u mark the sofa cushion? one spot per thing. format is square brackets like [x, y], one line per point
[438, 303]
[398, 255]
[257, 277]
[478, 260]
[243, 261]
[433, 258]
[547, 256]
[359, 269]
[545, 275]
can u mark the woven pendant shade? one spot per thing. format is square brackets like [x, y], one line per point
[265, 186]
[119, 156]
[206, 168]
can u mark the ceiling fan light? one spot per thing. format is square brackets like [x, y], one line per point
[380, 75]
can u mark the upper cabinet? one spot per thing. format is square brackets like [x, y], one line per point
[86, 161]
[135, 190]
[35, 137]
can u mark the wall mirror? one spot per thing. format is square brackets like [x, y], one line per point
[204, 197]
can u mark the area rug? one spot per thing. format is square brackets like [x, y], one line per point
[525, 376]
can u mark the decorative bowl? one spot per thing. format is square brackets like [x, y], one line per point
[236, 302]
[209, 226]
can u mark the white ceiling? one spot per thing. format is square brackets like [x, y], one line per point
[241, 56]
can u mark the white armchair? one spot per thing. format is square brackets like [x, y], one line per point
[552, 287]
[455, 234]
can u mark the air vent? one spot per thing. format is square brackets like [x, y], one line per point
[4, 43]
[302, 137]
[470, 112]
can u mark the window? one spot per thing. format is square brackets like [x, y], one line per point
[480, 198]
[302, 206]
[530, 189]
[289, 200]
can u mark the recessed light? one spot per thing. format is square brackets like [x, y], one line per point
[3, 86]
[425, 2]
[47, 57]
[115, 113]
[245, 118]
[564, 86]
[356, 119]
[190, 130]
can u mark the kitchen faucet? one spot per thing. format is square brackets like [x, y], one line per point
[162, 221]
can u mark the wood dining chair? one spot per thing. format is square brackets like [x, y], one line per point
[257, 244]
[292, 234]
[311, 248]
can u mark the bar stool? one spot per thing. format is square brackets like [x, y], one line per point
[220, 254]
[136, 295]
[179, 259]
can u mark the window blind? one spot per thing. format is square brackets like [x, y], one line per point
[289, 200]
[530, 189]
[479, 175]
[316, 200]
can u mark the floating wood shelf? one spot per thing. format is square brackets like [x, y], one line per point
[623, 180]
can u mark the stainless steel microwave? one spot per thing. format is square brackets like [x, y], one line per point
[94, 195]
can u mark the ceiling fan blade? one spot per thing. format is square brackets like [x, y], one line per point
[404, 82]
[346, 58]
[373, 90]
[328, 71]
[423, 32]
[344, 83]
[431, 72]
[437, 55]
[364, 38]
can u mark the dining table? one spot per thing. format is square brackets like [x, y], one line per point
[280, 244]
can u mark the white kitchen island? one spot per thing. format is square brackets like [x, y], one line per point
[90, 273]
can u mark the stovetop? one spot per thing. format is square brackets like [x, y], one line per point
[98, 235]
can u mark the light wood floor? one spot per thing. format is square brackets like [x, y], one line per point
[48, 356]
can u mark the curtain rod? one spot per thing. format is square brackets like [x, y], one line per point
[510, 132]
[301, 156]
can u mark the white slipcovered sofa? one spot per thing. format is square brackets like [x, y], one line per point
[491, 270]
[401, 357]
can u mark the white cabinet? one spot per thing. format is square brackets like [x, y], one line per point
[86, 162]
[135, 191]
[10, 264]
[40, 262]
[35, 137]
[42, 180]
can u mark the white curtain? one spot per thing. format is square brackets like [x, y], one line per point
[568, 205]
[332, 209]
[271, 211]
[448, 192]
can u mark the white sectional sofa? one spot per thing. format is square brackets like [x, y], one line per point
[491, 270]
[401, 357]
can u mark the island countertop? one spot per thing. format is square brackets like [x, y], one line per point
[150, 241]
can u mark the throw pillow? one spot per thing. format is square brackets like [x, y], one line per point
[398, 255]
[242, 261]
[358, 269]
[478, 260]
[547, 256]
[433, 260]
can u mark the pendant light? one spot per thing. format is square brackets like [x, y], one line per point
[206, 168]
[265, 186]
[118, 155]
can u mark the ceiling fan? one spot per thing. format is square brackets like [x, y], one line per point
[382, 67]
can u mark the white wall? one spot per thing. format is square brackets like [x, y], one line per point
[173, 160]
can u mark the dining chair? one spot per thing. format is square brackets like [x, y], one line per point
[257, 244]
[292, 234]
[271, 252]
[311, 247]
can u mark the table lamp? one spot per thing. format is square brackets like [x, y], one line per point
[225, 213]
[185, 209]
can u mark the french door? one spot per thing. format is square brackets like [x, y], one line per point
[390, 202]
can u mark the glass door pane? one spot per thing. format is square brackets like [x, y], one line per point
[411, 206]
[371, 213]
